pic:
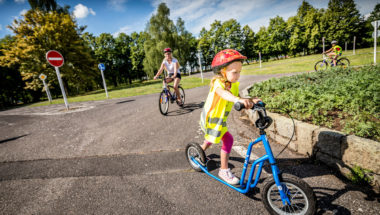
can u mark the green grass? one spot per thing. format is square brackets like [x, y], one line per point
[148, 87]
[306, 63]
[342, 99]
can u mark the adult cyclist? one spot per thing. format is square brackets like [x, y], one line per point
[334, 52]
[171, 65]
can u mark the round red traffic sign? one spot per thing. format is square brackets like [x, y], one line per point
[54, 58]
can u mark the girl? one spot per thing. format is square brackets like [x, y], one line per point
[171, 65]
[223, 93]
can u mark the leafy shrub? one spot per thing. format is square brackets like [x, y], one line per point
[342, 99]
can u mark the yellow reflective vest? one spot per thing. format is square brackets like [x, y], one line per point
[337, 49]
[215, 112]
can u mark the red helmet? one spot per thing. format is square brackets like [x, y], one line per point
[226, 56]
[167, 50]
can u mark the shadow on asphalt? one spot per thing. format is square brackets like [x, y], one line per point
[306, 167]
[187, 108]
[121, 102]
[13, 138]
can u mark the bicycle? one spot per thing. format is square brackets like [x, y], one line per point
[282, 193]
[168, 94]
[323, 64]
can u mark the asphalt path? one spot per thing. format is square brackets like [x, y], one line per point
[121, 156]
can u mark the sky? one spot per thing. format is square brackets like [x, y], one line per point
[116, 16]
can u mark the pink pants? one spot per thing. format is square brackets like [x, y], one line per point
[227, 140]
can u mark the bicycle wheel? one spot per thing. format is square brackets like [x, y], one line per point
[163, 103]
[195, 150]
[321, 66]
[302, 197]
[343, 62]
[182, 92]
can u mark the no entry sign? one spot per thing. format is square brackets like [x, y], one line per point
[54, 58]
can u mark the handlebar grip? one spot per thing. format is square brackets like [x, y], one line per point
[261, 104]
[239, 106]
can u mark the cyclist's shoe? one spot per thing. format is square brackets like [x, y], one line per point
[228, 176]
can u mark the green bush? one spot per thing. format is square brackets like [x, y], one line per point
[342, 99]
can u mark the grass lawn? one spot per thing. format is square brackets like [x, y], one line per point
[148, 87]
[306, 63]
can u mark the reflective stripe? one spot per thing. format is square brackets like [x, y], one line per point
[213, 132]
[217, 121]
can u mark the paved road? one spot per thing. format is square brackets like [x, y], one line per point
[121, 156]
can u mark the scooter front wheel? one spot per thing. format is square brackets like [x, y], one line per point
[195, 150]
[300, 194]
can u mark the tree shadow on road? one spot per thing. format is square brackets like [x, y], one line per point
[13, 138]
[121, 102]
[187, 108]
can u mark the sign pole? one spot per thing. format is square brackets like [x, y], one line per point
[62, 88]
[47, 91]
[260, 59]
[200, 64]
[354, 44]
[345, 47]
[104, 83]
[375, 43]
[323, 42]
[56, 59]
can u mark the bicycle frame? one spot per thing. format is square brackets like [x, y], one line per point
[244, 187]
[166, 90]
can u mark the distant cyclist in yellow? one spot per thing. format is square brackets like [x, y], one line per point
[334, 52]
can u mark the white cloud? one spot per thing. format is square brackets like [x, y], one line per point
[2, 1]
[1, 27]
[125, 29]
[20, 1]
[202, 13]
[23, 12]
[118, 5]
[81, 11]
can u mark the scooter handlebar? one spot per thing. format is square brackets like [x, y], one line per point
[239, 106]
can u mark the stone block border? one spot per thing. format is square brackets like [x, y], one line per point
[334, 148]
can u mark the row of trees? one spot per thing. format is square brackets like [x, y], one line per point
[138, 55]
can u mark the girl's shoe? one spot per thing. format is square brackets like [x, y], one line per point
[228, 176]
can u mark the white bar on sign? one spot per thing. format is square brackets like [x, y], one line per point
[55, 58]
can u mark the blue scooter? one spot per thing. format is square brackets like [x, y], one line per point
[282, 193]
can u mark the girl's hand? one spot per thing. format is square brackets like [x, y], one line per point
[247, 103]
[155, 77]
[255, 100]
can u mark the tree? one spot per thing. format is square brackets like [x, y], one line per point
[161, 31]
[122, 58]
[185, 45]
[248, 40]
[314, 24]
[262, 43]
[137, 54]
[48, 5]
[297, 36]
[278, 36]
[105, 52]
[205, 46]
[11, 84]
[342, 20]
[40, 32]
[375, 14]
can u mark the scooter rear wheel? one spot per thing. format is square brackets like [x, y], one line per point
[195, 150]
